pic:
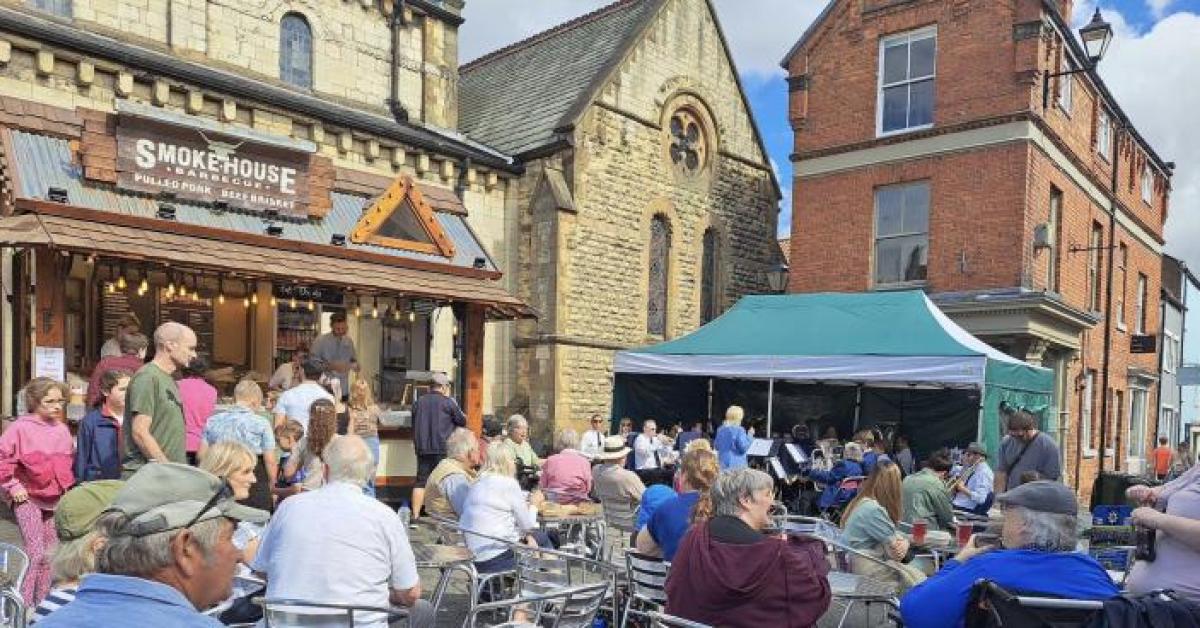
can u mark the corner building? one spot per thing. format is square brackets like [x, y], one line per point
[926, 157]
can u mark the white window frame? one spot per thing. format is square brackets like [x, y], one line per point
[1135, 440]
[1121, 286]
[1088, 414]
[876, 238]
[1170, 351]
[1147, 185]
[1104, 135]
[910, 36]
[1066, 85]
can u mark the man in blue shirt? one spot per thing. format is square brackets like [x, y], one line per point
[1038, 557]
[169, 553]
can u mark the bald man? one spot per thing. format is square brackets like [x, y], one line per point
[154, 426]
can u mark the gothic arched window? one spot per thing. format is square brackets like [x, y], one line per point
[688, 147]
[660, 267]
[710, 295]
[61, 8]
[296, 51]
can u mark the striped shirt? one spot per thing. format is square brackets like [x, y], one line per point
[55, 600]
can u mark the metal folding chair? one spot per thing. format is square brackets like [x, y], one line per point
[571, 607]
[992, 606]
[647, 576]
[663, 620]
[14, 565]
[289, 612]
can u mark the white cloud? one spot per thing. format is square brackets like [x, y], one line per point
[760, 32]
[1159, 7]
[1154, 79]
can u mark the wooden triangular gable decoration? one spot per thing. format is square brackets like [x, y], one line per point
[401, 219]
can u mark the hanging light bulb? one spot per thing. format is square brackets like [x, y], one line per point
[311, 306]
[182, 290]
[195, 296]
[374, 308]
[170, 287]
[395, 313]
[254, 298]
[109, 288]
[246, 302]
[454, 330]
[273, 301]
[412, 316]
[293, 303]
[121, 285]
[221, 298]
[358, 309]
[144, 286]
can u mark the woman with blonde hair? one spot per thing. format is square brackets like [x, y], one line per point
[305, 466]
[234, 462]
[869, 524]
[692, 505]
[364, 422]
[496, 507]
[732, 441]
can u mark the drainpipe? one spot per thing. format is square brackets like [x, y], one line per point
[1107, 356]
[399, 113]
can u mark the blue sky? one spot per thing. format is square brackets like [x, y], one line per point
[1153, 69]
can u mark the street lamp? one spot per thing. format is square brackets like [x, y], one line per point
[777, 279]
[1096, 36]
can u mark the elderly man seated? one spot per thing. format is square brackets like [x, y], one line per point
[726, 572]
[336, 545]
[169, 553]
[448, 483]
[1037, 555]
[612, 482]
[849, 466]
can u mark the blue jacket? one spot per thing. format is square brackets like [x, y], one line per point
[96, 454]
[941, 601]
[841, 470]
[732, 442]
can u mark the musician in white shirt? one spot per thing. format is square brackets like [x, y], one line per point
[592, 441]
[650, 449]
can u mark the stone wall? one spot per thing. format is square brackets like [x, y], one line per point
[586, 266]
[352, 45]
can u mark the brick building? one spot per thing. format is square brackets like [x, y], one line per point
[648, 204]
[926, 158]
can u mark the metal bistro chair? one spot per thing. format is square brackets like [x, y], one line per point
[647, 585]
[848, 585]
[663, 620]
[845, 491]
[14, 565]
[290, 612]
[572, 607]
[992, 606]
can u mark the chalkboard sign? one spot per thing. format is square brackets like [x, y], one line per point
[305, 293]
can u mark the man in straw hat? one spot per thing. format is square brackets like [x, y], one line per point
[169, 552]
[611, 481]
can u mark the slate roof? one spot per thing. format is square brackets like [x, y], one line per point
[503, 104]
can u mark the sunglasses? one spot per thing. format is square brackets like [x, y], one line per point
[222, 494]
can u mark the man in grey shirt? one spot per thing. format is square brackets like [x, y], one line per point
[335, 352]
[1025, 449]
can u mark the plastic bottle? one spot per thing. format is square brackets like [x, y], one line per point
[405, 514]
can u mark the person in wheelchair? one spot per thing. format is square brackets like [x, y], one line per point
[1036, 557]
[834, 497]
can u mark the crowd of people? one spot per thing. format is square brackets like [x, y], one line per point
[170, 509]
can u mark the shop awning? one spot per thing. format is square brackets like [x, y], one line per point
[76, 234]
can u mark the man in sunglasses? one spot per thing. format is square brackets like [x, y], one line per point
[169, 553]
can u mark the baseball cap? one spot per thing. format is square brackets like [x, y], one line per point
[165, 496]
[1042, 496]
[80, 507]
[441, 379]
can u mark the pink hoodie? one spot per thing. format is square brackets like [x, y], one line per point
[36, 455]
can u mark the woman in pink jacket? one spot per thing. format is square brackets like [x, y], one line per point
[36, 453]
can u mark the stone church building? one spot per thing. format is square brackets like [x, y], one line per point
[648, 204]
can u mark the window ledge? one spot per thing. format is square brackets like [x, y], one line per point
[1089, 453]
[901, 285]
[880, 134]
[1121, 327]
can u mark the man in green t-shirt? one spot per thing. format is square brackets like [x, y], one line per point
[153, 407]
[925, 495]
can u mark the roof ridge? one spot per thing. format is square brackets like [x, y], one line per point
[553, 31]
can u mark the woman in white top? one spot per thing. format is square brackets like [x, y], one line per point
[496, 507]
[291, 372]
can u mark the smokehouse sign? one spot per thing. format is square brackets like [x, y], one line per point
[207, 166]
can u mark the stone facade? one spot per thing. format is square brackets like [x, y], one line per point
[993, 157]
[584, 225]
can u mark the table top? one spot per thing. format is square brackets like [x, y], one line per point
[573, 517]
[433, 556]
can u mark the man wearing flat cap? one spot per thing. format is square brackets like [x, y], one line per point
[972, 491]
[169, 553]
[1036, 556]
[434, 416]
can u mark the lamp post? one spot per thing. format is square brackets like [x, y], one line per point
[1096, 37]
[777, 279]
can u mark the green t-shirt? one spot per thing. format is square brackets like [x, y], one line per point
[926, 497]
[153, 392]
